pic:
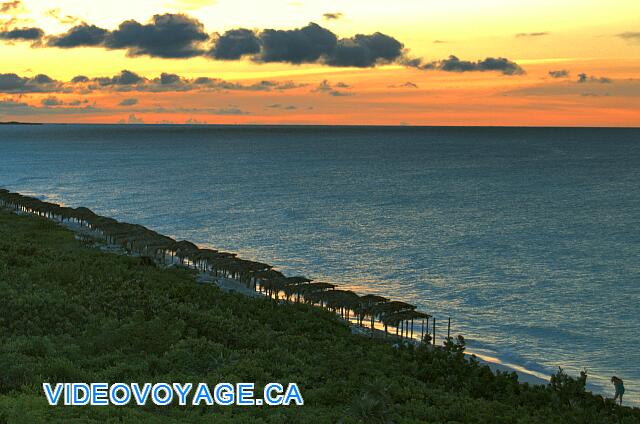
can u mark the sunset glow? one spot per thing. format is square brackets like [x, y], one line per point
[570, 63]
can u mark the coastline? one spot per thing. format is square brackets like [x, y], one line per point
[98, 316]
[228, 284]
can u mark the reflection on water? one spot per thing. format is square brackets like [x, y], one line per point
[527, 238]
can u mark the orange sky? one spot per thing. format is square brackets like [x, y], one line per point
[595, 47]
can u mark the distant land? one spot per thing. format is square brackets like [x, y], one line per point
[19, 123]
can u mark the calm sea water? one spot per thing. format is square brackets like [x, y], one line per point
[528, 238]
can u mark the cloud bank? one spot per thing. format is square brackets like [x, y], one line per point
[454, 64]
[562, 73]
[128, 81]
[178, 36]
[12, 83]
[22, 34]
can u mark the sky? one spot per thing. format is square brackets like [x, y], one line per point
[368, 62]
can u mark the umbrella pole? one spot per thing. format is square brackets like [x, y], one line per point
[434, 331]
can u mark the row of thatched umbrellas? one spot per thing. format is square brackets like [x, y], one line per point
[260, 276]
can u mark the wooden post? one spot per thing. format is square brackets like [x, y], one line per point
[372, 325]
[434, 331]
[449, 329]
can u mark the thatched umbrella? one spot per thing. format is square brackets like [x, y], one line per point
[183, 249]
[367, 303]
[310, 292]
[401, 319]
[144, 241]
[260, 277]
[274, 286]
[382, 309]
[342, 300]
[83, 215]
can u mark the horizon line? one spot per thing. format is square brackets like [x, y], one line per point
[322, 125]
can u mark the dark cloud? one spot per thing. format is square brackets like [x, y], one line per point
[631, 36]
[231, 110]
[180, 36]
[507, 67]
[83, 35]
[19, 108]
[23, 34]
[42, 79]
[132, 119]
[365, 51]
[280, 106]
[302, 45]
[327, 88]
[584, 78]
[80, 79]
[332, 16]
[127, 81]
[453, 64]
[52, 101]
[11, 104]
[78, 102]
[234, 44]
[531, 34]
[336, 93]
[128, 102]
[407, 84]
[167, 36]
[12, 83]
[562, 73]
[323, 87]
[203, 80]
[265, 85]
[123, 78]
[309, 44]
[168, 79]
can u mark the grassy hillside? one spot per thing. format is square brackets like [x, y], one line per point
[70, 313]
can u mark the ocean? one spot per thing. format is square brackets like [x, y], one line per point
[529, 239]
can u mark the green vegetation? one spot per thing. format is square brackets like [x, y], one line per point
[74, 314]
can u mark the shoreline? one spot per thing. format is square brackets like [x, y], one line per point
[116, 318]
[229, 284]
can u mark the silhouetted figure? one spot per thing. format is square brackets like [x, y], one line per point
[619, 385]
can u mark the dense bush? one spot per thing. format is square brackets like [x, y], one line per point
[71, 313]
